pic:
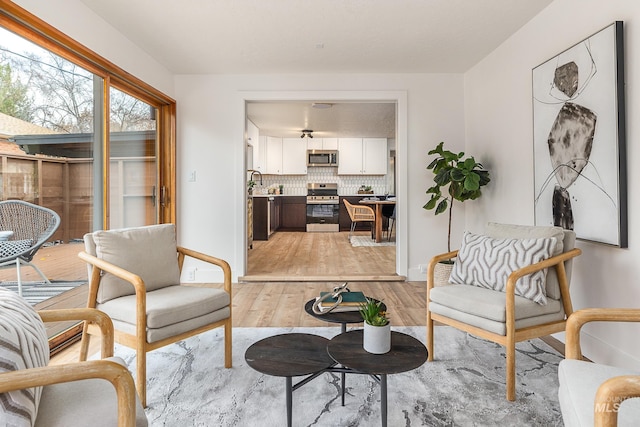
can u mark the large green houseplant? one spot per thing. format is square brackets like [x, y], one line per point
[456, 178]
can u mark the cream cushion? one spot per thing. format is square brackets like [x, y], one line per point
[150, 252]
[579, 381]
[67, 404]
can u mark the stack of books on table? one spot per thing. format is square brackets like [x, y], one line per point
[350, 301]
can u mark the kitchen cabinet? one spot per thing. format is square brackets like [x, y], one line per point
[261, 218]
[275, 206]
[274, 155]
[362, 156]
[286, 156]
[294, 213]
[322, 143]
[294, 156]
[260, 155]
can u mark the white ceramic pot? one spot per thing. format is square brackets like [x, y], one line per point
[377, 339]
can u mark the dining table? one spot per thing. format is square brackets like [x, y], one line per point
[377, 203]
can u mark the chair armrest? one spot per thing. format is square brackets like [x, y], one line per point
[586, 315]
[224, 265]
[123, 274]
[363, 213]
[432, 265]
[91, 315]
[113, 372]
[610, 396]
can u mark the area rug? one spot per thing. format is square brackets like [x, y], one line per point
[464, 386]
[35, 292]
[368, 241]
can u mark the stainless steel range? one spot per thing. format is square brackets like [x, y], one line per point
[323, 207]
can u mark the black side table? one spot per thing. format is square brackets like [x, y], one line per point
[406, 353]
[290, 355]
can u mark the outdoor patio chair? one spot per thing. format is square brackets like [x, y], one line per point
[507, 286]
[134, 277]
[24, 228]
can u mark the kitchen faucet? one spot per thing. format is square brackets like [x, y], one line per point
[253, 171]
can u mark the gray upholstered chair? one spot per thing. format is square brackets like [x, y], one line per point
[134, 277]
[36, 393]
[25, 227]
[593, 394]
[491, 300]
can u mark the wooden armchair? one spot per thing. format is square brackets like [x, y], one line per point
[592, 394]
[73, 394]
[359, 214]
[134, 277]
[500, 313]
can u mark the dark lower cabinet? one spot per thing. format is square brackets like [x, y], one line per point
[294, 213]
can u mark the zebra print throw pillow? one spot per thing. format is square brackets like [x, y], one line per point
[487, 262]
[23, 344]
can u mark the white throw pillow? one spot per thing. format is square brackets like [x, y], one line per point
[150, 252]
[23, 344]
[5, 235]
[487, 262]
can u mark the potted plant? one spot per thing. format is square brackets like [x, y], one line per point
[456, 178]
[377, 329]
[250, 185]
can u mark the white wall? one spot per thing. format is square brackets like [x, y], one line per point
[79, 22]
[210, 131]
[498, 118]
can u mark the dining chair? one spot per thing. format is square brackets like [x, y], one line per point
[359, 214]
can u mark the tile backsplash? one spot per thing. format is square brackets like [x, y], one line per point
[296, 185]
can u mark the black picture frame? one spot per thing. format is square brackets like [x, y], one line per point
[580, 173]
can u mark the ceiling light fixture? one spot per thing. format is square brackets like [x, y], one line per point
[307, 133]
[321, 105]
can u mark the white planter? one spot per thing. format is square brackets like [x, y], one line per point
[377, 339]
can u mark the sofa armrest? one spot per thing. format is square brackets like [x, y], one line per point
[90, 315]
[111, 371]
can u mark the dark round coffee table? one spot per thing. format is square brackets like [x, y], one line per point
[342, 317]
[406, 353]
[290, 355]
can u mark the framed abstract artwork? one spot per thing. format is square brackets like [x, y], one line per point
[579, 139]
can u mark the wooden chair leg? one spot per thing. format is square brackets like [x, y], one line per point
[141, 375]
[511, 369]
[429, 336]
[84, 342]
[227, 344]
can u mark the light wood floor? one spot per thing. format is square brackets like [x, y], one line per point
[296, 256]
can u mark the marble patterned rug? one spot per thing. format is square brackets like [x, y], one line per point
[464, 386]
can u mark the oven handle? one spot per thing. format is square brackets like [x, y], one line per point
[323, 202]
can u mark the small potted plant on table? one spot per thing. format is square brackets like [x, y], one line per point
[377, 329]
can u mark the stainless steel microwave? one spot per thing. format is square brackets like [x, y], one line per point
[322, 158]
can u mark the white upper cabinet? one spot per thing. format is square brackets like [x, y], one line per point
[322, 143]
[274, 156]
[294, 156]
[260, 155]
[362, 156]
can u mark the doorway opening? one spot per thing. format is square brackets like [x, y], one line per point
[289, 252]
